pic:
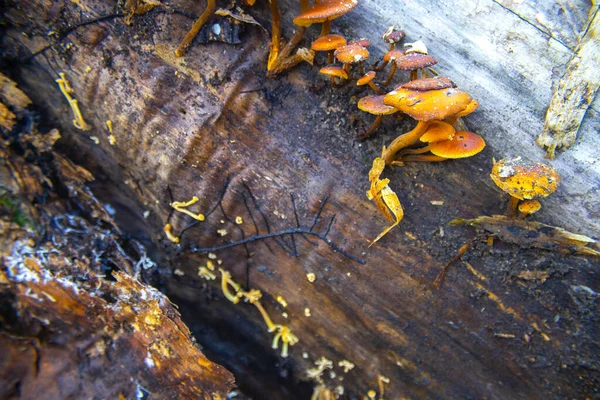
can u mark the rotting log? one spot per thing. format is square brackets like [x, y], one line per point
[186, 125]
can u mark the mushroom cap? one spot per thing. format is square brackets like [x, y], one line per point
[374, 105]
[528, 207]
[361, 42]
[473, 105]
[424, 84]
[368, 77]
[412, 61]
[335, 71]
[393, 35]
[325, 10]
[463, 144]
[429, 105]
[525, 181]
[393, 54]
[438, 131]
[351, 54]
[328, 42]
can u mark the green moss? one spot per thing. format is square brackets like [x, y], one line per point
[12, 207]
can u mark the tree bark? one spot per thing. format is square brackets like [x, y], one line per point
[186, 126]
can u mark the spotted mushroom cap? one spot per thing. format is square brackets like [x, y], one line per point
[374, 105]
[328, 42]
[438, 131]
[393, 54]
[413, 61]
[325, 10]
[393, 35]
[424, 84]
[463, 144]
[429, 105]
[351, 54]
[368, 77]
[335, 71]
[361, 42]
[525, 181]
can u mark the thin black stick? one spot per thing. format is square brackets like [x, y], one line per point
[291, 231]
[298, 219]
[319, 212]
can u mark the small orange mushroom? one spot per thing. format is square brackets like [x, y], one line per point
[367, 79]
[415, 62]
[392, 36]
[462, 145]
[374, 105]
[333, 71]
[324, 12]
[524, 181]
[529, 207]
[328, 43]
[424, 84]
[351, 54]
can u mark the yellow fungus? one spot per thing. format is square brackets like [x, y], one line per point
[210, 265]
[311, 277]
[321, 365]
[222, 232]
[347, 365]
[282, 301]
[181, 207]
[168, 231]
[111, 138]
[226, 281]
[239, 220]
[178, 272]
[287, 339]
[307, 312]
[67, 91]
[371, 393]
[212, 256]
[203, 272]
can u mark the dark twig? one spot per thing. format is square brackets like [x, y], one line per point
[437, 283]
[256, 231]
[291, 231]
[318, 215]
[298, 219]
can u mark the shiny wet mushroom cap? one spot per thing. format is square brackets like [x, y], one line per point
[463, 144]
[361, 42]
[351, 54]
[393, 35]
[438, 131]
[334, 71]
[424, 84]
[328, 42]
[525, 181]
[413, 61]
[529, 207]
[429, 105]
[325, 10]
[374, 105]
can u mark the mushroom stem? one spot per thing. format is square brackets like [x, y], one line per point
[330, 57]
[275, 36]
[189, 37]
[405, 140]
[420, 150]
[325, 28]
[391, 75]
[381, 67]
[304, 6]
[423, 158]
[283, 61]
[347, 68]
[511, 209]
[375, 88]
[361, 69]
[413, 75]
[373, 127]
[289, 62]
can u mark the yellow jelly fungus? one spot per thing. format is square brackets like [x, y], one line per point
[307, 312]
[226, 282]
[111, 138]
[210, 265]
[67, 91]
[347, 365]
[371, 393]
[311, 277]
[239, 220]
[204, 272]
[168, 231]
[181, 207]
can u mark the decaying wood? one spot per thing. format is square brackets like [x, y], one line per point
[69, 328]
[186, 126]
[575, 91]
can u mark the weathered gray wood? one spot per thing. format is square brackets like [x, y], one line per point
[188, 123]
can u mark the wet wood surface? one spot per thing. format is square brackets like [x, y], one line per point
[187, 125]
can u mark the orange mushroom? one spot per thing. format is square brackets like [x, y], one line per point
[424, 84]
[414, 62]
[529, 207]
[387, 57]
[351, 54]
[374, 105]
[424, 106]
[193, 32]
[462, 145]
[524, 181]
[392, 36]
[324, 11]
[328, 43]
[367, 79]
[333, 71]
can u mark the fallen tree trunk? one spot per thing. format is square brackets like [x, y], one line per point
[210, 125]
